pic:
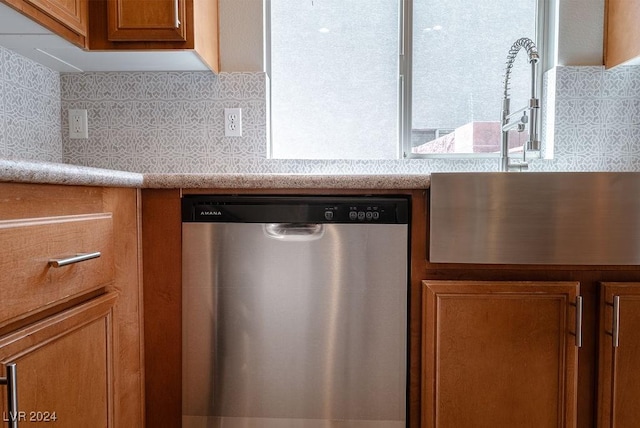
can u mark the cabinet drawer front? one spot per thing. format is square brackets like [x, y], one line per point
[29, 283]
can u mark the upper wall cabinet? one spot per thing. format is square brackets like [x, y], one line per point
[113, 35]
[150, 25]
[67, 18]
[622, 32]
[150, 21]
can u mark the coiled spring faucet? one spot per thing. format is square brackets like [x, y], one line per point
[518, 119]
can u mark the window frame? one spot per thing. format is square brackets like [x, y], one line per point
[405, 72]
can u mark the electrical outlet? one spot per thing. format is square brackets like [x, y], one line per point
[78, 126]
[233, 122]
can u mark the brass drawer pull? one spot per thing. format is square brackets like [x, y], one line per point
[73, 259]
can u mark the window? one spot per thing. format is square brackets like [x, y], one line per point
[349, 81]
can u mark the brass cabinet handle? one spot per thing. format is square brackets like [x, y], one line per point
[56, 263]
[12, 394]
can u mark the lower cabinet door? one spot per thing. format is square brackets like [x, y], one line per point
[500, 354]
[63, 368]
[619, 359]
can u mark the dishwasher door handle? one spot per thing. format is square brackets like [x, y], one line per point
[294, 231]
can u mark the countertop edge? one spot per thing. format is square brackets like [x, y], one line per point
[20, 171]
[36, 172]
[287, 181]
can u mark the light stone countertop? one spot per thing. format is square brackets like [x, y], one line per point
[286, 181]
[56, 173]
[20, 171]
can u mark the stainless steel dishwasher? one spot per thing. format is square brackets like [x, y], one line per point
[294, 311]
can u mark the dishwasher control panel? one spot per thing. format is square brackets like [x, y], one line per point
[295, 209]
[356, 213]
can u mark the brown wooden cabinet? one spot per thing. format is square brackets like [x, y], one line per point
[67, 18]
[619, 371]
[136, 20]
[499, 354]
[75, 331]
[622, 32]
[28, 244]
[190, 25]
[64, 368]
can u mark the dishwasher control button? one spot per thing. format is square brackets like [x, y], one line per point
[369, 215]
[353, 215]
[328, 215]
[376, 215]
[361, 215]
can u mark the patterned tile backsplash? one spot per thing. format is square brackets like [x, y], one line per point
[29, 110]
[597, 119]
[165, 122]
[172, 122]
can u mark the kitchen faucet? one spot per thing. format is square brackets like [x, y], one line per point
[519, 119]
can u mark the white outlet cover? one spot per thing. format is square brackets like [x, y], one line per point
[78, 126]
[233, 122]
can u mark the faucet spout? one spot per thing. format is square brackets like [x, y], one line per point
[533, 108]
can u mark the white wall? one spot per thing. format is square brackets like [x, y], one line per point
[580, 32]
[241, 35]
[579, 39]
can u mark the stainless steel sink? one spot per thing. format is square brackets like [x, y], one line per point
[535, 218]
